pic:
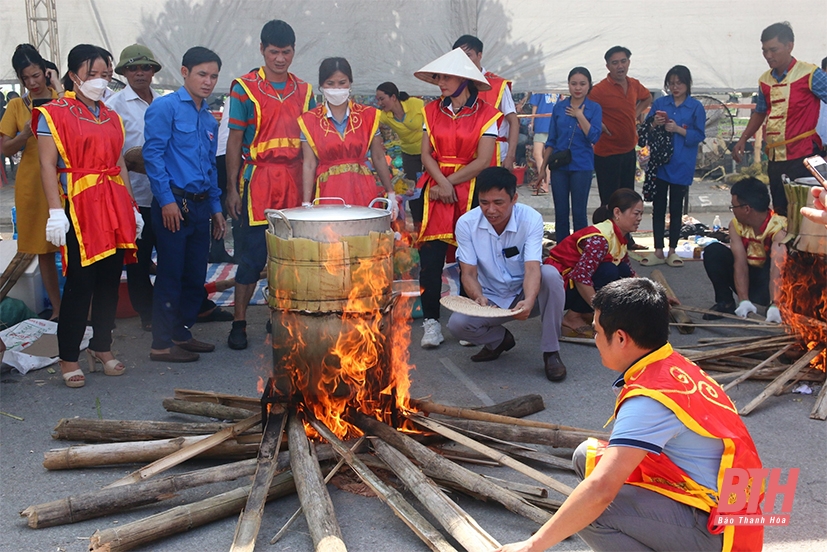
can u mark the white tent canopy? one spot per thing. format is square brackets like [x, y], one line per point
[533, 42]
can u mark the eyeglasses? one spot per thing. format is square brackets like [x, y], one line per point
[733, 207]
[145, 67]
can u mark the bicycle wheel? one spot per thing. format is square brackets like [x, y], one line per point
[720, 130]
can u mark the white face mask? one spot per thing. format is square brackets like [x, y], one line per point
[94, 88]
[336, 96]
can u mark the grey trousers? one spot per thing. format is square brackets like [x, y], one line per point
[640, 519]
[489, 331]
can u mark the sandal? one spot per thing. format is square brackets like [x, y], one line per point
[651, 260]
[585, 331]
[74, 379]
[112, 367]
[539, 192]
[674, 260]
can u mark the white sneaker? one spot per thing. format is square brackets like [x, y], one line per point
[464, 343]
[433, 334]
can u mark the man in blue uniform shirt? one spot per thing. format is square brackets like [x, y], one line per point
[179, 153]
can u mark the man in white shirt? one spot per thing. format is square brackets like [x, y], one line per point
[499, 248]
[137, 64]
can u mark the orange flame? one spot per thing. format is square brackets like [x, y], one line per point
[356, 359]
[803, 300]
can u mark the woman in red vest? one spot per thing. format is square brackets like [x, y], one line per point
[594, 256]
[93, 217]
[336, 137]
[458, 143]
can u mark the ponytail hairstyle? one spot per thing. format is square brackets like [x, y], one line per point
[390, 89]
[24, 56]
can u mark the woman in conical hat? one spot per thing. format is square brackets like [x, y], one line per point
[458, 143]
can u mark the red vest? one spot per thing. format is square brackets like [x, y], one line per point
[565, 255]
[342, 170]
[275, 181]
[703, 407]
[100, 206]
[494, 97]
[792, 112]
[454, 140]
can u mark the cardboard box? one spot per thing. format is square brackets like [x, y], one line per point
[29, 287]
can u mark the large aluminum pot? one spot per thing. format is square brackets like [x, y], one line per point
[326, 223]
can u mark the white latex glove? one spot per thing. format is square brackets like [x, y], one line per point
[56, 227]
[139, 224]
[306, 204]
[745, 308]
[394, 205]
[773, 314]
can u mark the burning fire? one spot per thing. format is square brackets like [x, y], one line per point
[803, 299]
[356, 359]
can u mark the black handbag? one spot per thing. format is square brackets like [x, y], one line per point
[561, 158]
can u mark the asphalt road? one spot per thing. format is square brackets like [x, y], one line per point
[784, 434]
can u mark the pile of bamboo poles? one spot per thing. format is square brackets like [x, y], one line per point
[495, 435]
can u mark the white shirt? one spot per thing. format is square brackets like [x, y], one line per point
[223, 129]
[506, 106]
[478, 244]
[131, 108]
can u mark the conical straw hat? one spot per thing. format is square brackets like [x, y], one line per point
[454, 63]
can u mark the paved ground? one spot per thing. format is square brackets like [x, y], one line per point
[785, 436]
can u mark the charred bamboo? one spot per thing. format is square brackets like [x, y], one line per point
[746, 375]
[436, 466]
[519, 407]
[119, 431]
[206, 409]
[235, 401]
[556, 438]
[779, 382]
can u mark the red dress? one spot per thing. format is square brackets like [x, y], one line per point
[454, 140]
[275, 151]
[100, 206]
[342, 170]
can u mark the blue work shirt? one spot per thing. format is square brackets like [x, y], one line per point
[565, 129]
[545, 104]
[179, 148]
[499, 272]
[691, 116]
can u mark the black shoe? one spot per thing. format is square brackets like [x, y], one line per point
[194, 346]
[238, 335]
[216, 315]
[555, 369]
[221, 256]
[486, 354]
[728, 308]
[269, 326]
[175, 354]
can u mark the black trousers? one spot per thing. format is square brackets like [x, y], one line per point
[676, 193]
[412, 164]
[793, 168]
[137, 274]
[613, 172]
[97, 283]
[432, 261]
[719, 266]
[606, 273]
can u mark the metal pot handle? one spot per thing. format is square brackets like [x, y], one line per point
[273, 216]
[319, 199]
[388, 205]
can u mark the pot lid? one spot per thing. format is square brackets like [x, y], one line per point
[334, 213]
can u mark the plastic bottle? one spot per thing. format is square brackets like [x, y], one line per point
[716, 223]
[14, 222]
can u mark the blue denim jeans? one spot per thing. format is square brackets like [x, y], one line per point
[574, 184]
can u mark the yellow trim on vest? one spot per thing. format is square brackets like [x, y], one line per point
[309, 138]
[277, 143]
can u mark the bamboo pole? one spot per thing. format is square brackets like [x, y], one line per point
[327, 479]
[435, 408]
[105, 454]
[754, 321]
[436, 466]
[746, 375]
[779, 382]
[101, 502]
[183, 518]
[313, 495]
[426, 532]
[764, 327]
[186, 453]
[518, 407]
[536, 456]
[734, 350]
[235, 401]
[682, 319]
[249, 522]
[519, 488]
[819, 411]
[115, 431]
[206, 409]
[556, 438]
[453, 519]
[499, 456]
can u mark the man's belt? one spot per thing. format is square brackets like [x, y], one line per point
[189, 196]
[772, 145]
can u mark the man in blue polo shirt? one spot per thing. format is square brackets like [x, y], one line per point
[179, 153]
[499, 248]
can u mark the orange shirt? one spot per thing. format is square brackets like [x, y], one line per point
[618, 114]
